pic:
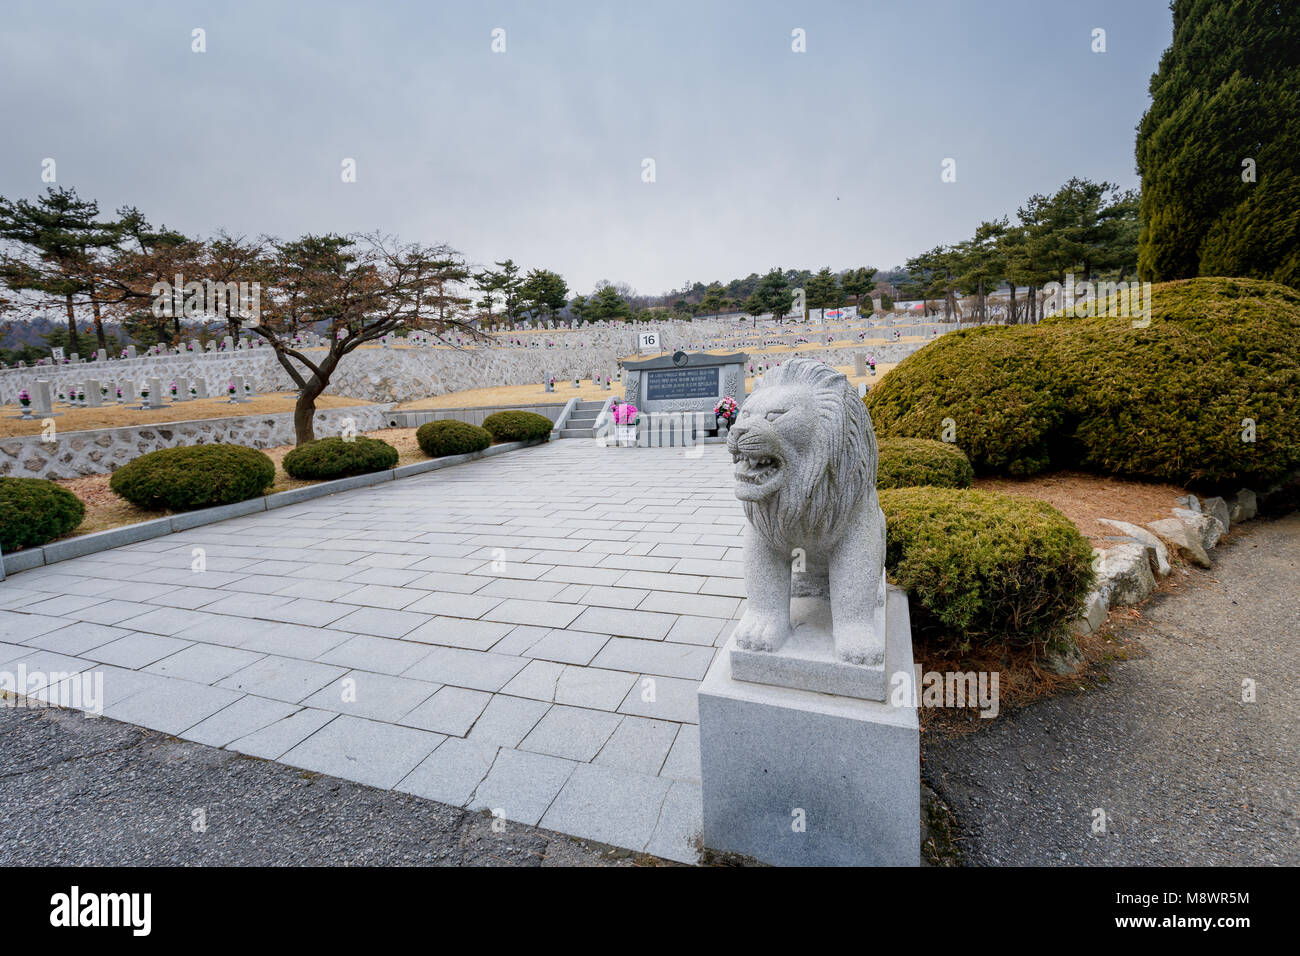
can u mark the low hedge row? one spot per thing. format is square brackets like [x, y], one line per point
[518, 426]
[450, 437]
[34, 511]
[329, 458]
[984, 568]
[196, 476]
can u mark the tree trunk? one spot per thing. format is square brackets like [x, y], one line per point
[1029, 310]
[99, 324]
[72, 326]
[1011, 316]
[304, 413]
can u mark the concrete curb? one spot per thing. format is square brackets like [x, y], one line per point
[86, 544]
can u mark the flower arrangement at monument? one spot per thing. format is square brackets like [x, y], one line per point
[24, 397]
[726, 410]
[173, 388]
[625, 413]
[230, 388]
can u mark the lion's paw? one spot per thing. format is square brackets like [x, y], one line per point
[760, 632]
[858, 645]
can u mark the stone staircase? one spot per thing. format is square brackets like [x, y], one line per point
[582, 423]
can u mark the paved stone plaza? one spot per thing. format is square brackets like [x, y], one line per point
[524, 634]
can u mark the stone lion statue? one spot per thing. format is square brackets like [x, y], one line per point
[805, 457]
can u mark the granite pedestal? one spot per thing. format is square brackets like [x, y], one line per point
[799, 778]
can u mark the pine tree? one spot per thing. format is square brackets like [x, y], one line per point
[1219, 148]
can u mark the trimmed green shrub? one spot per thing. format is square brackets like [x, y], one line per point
[450, 437]
[328, 458]
[35, 510]
[981, 567]
[196, 476]
[1171, 401]
[905, 462]
[518, 426]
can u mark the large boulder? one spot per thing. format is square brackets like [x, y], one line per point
[1156, 549]
[1128, 570]
[1206, 527]
[1180, 536]
[1243, 506]
[1217, 508]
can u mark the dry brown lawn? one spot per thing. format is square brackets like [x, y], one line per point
[117, 416]
[1084, 498]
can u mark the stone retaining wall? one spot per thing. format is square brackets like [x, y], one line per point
[74, 454]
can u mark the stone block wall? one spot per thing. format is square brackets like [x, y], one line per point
[74, 454]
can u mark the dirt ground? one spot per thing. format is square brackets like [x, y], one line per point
[1084, 498]
[116, 416]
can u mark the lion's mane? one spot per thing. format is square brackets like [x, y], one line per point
[819, 494]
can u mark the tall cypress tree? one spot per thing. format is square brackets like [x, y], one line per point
[1227, 91]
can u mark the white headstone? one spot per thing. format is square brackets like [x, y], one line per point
[41, 398]
[92, 393]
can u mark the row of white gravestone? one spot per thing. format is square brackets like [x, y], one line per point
[604, 381]
[151, 393]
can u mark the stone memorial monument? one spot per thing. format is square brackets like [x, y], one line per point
[807, 755]
[684, 386]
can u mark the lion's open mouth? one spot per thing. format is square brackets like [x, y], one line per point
[755, 469]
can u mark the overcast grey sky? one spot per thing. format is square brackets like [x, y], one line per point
[763, 156]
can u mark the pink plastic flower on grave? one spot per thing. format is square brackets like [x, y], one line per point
[23, 397]
[230, 387]
[727, 408]
[625, 414]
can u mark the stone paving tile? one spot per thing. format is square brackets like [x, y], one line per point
[626, 598]
[655, 657]
[274, 740]
[246, 715]
[567, 646]
[203, 663]
[456, 605]
[625, 623]
[573, 732]
[696, 630]
[507, 720]
[476, 670]
[76, 639]
[451, 773]
[680, 823]
[383, 655]
[451, 711]
[63, 604]
[171, 706]
[521, 786]
[696, 605]
[683, 761]
[663, 698]
[366, 751]
[373, 696]
[537, 613]
[282, 678]
[381, 595]
[136, 650]
[380, 622]
[459, 632]
[639, 745]
[16, 628]
[608, 805]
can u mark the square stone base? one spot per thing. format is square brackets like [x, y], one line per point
[797, 778]
[807, 660]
